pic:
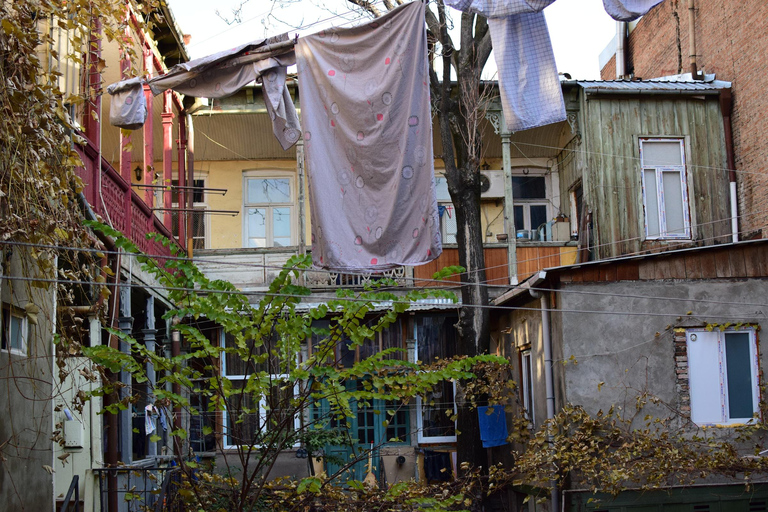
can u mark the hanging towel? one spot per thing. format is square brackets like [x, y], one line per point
[128, 106]
[368, 140]
[223, 74]
[530, 90]
[493, 425]
[628, 10]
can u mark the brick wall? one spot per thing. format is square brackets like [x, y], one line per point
[731, 41]
[681, 371]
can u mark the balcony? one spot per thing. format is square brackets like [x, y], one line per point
[252, 270]
[111, 197]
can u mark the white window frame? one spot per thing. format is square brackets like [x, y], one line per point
[291, 205]
[420, 437]
[526, 368]
[526, 204]
[262, 401]
[445, 231]
[659, 171]
[708, 378]
[12, 313]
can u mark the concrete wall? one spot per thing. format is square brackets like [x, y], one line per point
[622, 349]
[25, 393]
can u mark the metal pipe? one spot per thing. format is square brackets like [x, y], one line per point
[692, 39]
[549, 379]
[726, 105]
[621, 49]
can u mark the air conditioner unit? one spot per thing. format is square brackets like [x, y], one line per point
[492, 184]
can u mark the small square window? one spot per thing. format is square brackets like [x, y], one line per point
[15, 330]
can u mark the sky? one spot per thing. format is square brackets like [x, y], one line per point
[580, 29]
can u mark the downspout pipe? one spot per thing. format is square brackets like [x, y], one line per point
[549, 379]
[726, 105]
[692, 40]
[621, 50]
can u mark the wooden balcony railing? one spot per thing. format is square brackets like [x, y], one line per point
[110, 196]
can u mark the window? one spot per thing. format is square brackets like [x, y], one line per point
[268, 212]
[436, 339]
[723, 376]
[665, 192]
[249, 419]
[526, 369]
[530, 201]
[446, 211]
[15, 331]
[199, 218]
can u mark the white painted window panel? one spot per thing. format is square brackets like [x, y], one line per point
[650, 191]
[704, 377]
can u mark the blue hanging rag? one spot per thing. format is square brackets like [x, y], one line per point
[493, 425]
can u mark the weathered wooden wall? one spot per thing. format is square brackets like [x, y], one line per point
[611, 127]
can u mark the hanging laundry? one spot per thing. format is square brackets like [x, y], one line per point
[223, 74]
[628, 10]
[368, 140]
[493, 425]
[149, 419]
[530, 90]
[128, 108]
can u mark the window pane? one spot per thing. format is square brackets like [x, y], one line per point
[15, 334]
[435, 421]
[198, 193]
[441, 189]
[257, 227]
[279, 407]
[538, 215]
[527, 384]
[739, 375]
[448, 221]
[243, 418]
[529, 187]
[198, 228]
[673, 202]
[435, 338]
[281, 227]
[651, 202]
[269, 190]
[661, 153]
[397, 429]
[519, 219]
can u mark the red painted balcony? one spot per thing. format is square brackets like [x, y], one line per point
[111, 196]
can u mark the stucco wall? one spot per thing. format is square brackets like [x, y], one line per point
[622, 348]
[25, 396]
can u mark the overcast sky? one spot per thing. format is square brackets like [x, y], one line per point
[580, 29]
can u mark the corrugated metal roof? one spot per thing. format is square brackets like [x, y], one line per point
[659, 85]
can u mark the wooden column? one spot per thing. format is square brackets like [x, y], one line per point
[149, 141]
[167, 153]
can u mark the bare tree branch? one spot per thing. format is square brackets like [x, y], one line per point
[368, 6]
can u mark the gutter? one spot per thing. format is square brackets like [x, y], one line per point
[652, 92]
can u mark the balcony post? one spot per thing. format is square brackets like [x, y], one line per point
[150, 334]
[149, 140]
[500, 127]
[167, 155]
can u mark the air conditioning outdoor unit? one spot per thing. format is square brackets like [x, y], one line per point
[492, 184]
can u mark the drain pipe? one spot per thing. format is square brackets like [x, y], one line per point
[549, 379]
[621, 50]
[692, 40]
[726, 105]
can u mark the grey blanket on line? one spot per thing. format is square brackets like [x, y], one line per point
[368, 141]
